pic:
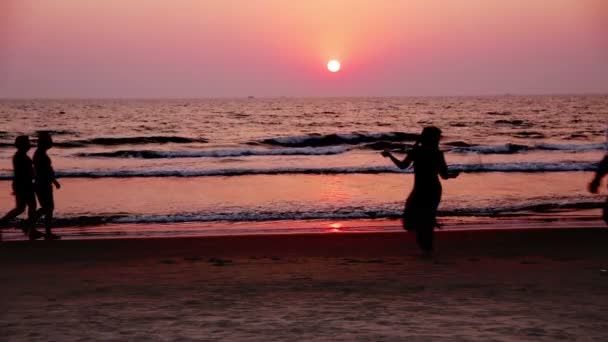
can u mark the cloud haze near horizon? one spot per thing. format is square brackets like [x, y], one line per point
[189, 48]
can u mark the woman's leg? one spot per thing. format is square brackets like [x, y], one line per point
[31, 230]
[20, 204]
[47, 206]
[424, 238]
[48, 220]
[48, 217]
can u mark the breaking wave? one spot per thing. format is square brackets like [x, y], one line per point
[317, 140]
[566, 166]
[389, 211]
[115, 141]
[517, 148]
[150, 154]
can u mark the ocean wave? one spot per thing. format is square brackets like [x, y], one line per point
[566, 166]
[504, 113]
[572, 147]
[528, 135]
[517, 148]
[318, 140]
[520, 123]
[115, 141]
[150, 154]
[57, 131]
[388, 211]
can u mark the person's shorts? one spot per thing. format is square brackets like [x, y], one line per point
[25, 197]
[45, 197]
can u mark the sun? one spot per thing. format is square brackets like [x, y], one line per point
[333, 65]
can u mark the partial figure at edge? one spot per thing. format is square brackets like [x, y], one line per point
[45, 179]
[23, 188]
[420, 214]
[602, 170]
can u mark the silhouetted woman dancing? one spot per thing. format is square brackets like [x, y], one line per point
[420, 214]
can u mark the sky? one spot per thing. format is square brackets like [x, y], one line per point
[235, 48]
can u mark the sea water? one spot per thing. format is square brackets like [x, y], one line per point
[253, 162]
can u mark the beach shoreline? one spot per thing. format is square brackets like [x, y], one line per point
[301, 244]
[553, 219]
[492, 284]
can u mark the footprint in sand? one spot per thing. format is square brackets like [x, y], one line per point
[357, 261]
[441, 262]
[219, 262]
[273, 258]
[529, 262]
[193, 258]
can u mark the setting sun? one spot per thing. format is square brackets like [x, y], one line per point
[333, 65]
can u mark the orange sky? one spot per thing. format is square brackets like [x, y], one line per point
[192, 48]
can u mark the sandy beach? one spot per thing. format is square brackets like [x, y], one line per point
[545, 284]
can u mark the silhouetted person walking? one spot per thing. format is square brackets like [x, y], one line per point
[602, 170]
[45, 179]
[420, 214]
[23, 188]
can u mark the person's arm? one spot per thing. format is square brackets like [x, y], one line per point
[602, 170]
[53, 178]
[15, 171]
[443, 168]
[402, 164]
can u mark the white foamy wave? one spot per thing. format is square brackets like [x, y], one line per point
[517, 148]
[566, 166]
[387, 211]
[316, 140]
[150, 154]
[498, 149]
[572, 147]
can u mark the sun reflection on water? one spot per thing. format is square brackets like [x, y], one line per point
[335, 227]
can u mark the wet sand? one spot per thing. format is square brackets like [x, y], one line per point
[547, 284]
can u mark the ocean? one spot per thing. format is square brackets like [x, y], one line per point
[256, 165]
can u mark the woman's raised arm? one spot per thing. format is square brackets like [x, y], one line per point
[443, 168]
[402, 164]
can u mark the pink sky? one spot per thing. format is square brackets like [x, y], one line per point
[207, 48]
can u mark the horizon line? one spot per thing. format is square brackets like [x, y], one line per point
[298, 96]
